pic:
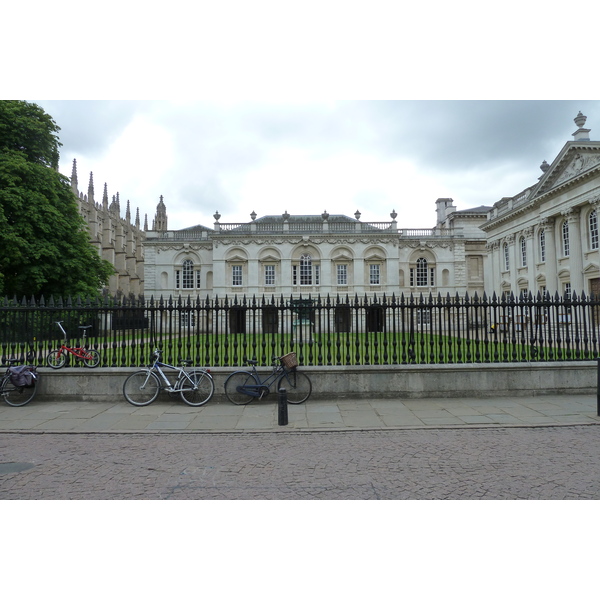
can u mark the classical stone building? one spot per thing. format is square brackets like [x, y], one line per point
[543, 239]
[318, 255]
[118, 240]
[546, 237]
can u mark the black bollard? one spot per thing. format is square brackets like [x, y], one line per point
[598, 390]
[283, 407]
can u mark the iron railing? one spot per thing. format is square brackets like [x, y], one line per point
[321, 330]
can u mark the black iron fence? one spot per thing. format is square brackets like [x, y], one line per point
[322, 331]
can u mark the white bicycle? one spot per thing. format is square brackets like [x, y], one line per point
[196, 387]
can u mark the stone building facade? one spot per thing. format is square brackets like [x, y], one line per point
[545, 239]
[319, 255]
[118, 240]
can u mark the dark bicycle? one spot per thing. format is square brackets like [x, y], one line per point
[19, 384]
[241, 387]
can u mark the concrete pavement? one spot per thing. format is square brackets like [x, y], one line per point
[172, 415]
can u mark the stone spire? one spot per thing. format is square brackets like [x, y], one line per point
[128, 213]
[160, 220]
[581, 135]
[74, 178]
[137, 217]
[105, 198]
[91, 189]
[146, 222]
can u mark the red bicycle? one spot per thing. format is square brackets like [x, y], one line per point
[57, 358]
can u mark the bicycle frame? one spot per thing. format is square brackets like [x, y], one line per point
[265, 384]
[182, 376]
[77, 351]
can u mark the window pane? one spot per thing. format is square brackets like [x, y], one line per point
[374, 274]
[565, 232]
[421, 272]
[236, 275]
[187, 275]
[305, 270]
[594, 230]
[269, 274]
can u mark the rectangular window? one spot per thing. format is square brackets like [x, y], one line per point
[542, 246]
[342, 274]
[269, 275]
[594, 230]
[188, 319]
[294, 275]
[177, 279]
[198, 278]
[317, 274]
[432, 279]
[236, 275]
[565, 233]
[374, 273]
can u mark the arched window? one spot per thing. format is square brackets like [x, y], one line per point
[187, 277]
[565, 238]
[422, 272]
[523, 252]
[593, 228]
[506, 257]
[542, 238]
[307, 272]
[306, 269]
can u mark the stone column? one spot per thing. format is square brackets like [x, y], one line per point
[529, 241]
[573, 217]
[549, 225]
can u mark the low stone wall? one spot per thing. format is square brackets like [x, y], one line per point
[398, 381]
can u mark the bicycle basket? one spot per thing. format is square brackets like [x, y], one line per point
[289, 361]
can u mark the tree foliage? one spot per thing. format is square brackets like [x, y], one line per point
[44, 242]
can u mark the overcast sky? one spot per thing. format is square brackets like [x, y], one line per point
[251, 117]
[307, 157]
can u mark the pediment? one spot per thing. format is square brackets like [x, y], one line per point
[342, 256]
[574, 161]
[237, 257]
[269, 258]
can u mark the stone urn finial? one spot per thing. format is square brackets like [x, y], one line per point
[580, 119]
[253, 215]
[325, 215]
[393, 214]
[285, 215]
[357, 215]
[217, 216]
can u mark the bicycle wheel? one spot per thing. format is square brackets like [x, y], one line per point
[141, 388]
[56, 359]
[92, 358]
[297, 385]
[204, 392]
[17, 396]
[234, 383]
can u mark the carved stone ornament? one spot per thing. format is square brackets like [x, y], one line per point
[581, 162]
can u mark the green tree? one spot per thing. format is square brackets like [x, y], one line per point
[44, 242]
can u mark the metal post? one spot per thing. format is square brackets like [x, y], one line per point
[283, 407]
[598, 389]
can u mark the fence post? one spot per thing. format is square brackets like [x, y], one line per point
[283, 407]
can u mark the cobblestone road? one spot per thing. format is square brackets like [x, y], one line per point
[496, 463]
